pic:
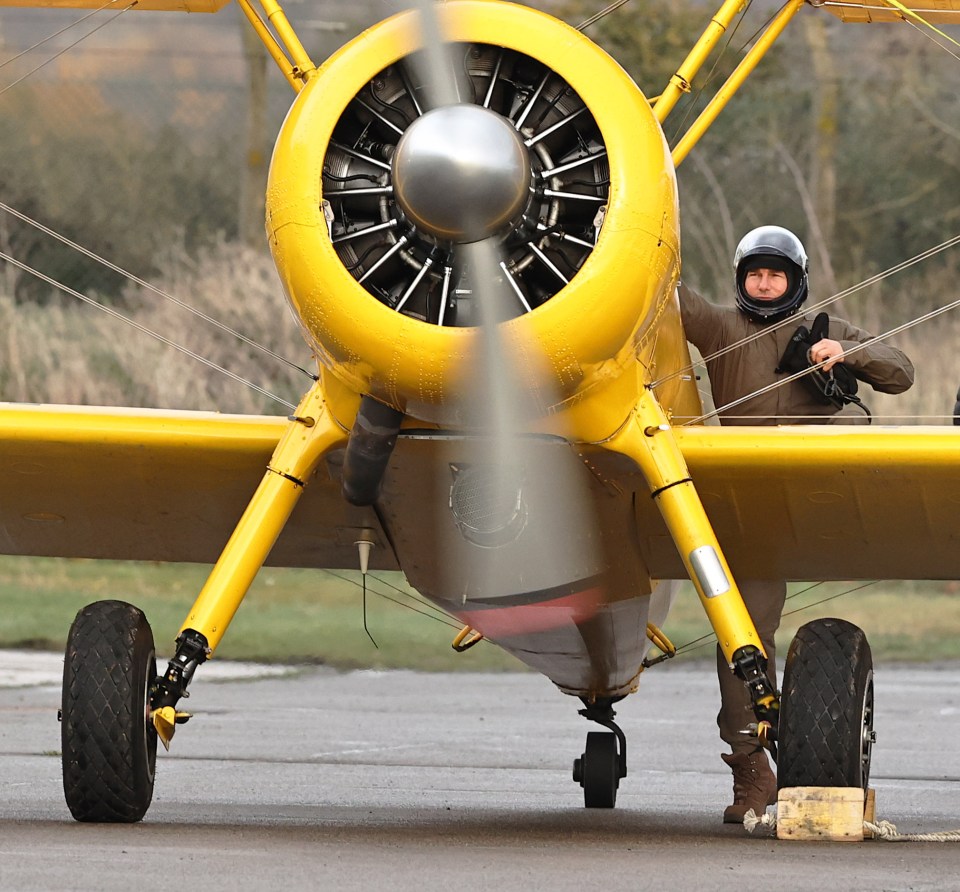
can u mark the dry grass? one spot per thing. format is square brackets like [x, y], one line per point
[931, 344]
[73, 353]
[904, 621]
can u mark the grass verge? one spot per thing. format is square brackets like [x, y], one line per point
[309, 616]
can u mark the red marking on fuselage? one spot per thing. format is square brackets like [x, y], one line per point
[523, 619]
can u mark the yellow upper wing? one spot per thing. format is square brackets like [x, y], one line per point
[148, 5]
[151, 485]
[938, 11]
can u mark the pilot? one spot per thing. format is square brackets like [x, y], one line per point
[771, 285]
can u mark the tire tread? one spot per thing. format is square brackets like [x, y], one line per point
[101, 731]
[828, 664]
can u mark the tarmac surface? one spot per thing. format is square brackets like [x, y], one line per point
[399, 780]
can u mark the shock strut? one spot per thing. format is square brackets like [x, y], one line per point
[750, 665]
[169, 688]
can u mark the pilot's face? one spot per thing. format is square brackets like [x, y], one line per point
[765, 284]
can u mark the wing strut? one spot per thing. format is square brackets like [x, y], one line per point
[298, 68]
[683, 78]
[648, 439]
[310, 435]
[735, 81]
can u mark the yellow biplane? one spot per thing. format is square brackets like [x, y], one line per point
[474, 214]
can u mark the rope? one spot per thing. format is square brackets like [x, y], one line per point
[766, 821]
[881, 829]
[886, 830]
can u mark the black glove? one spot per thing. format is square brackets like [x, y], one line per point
[836, 387]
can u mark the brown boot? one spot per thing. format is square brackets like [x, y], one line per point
[754, 785]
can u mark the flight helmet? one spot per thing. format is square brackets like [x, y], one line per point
[771, 247]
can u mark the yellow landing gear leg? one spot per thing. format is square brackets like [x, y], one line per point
[309, 436]
[648, 439]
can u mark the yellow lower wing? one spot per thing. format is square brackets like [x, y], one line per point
[805, 502]
[157, 485]
[822, 502]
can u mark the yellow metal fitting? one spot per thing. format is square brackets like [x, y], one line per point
[459, 645]
[660, 640]
[165, 720]
[765, 734]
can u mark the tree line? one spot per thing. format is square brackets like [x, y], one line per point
[846, 134]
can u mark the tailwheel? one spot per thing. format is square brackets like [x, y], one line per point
[825, 736]
[109, 744]
[598, 770]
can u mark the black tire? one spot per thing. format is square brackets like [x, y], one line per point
[601, 770]
[825, 734]
[109, 744]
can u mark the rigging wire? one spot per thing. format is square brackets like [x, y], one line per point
[435, 612]
[103, 261]
[601, 14]
[855, 349]
[926, 33]
[69, 46]
[912, 16]
[144, 329]
[710, 75]
[697, 643]
[691, 106]
[941, 417]
[158, 291]
[416, 597]
[710, 637]
[789, 320]
[853, 289]
[440, 616]
[63, 30]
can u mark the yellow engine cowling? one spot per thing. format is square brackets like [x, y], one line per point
[598, 321]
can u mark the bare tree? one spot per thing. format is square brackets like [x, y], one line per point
[254, 174]
[823, 170]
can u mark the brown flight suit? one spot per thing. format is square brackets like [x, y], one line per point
[745, 370]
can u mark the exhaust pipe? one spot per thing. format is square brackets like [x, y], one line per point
[369, 447]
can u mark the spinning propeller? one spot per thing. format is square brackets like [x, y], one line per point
[470, 248]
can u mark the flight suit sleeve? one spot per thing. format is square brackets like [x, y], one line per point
[880, 364]
[701, 324]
